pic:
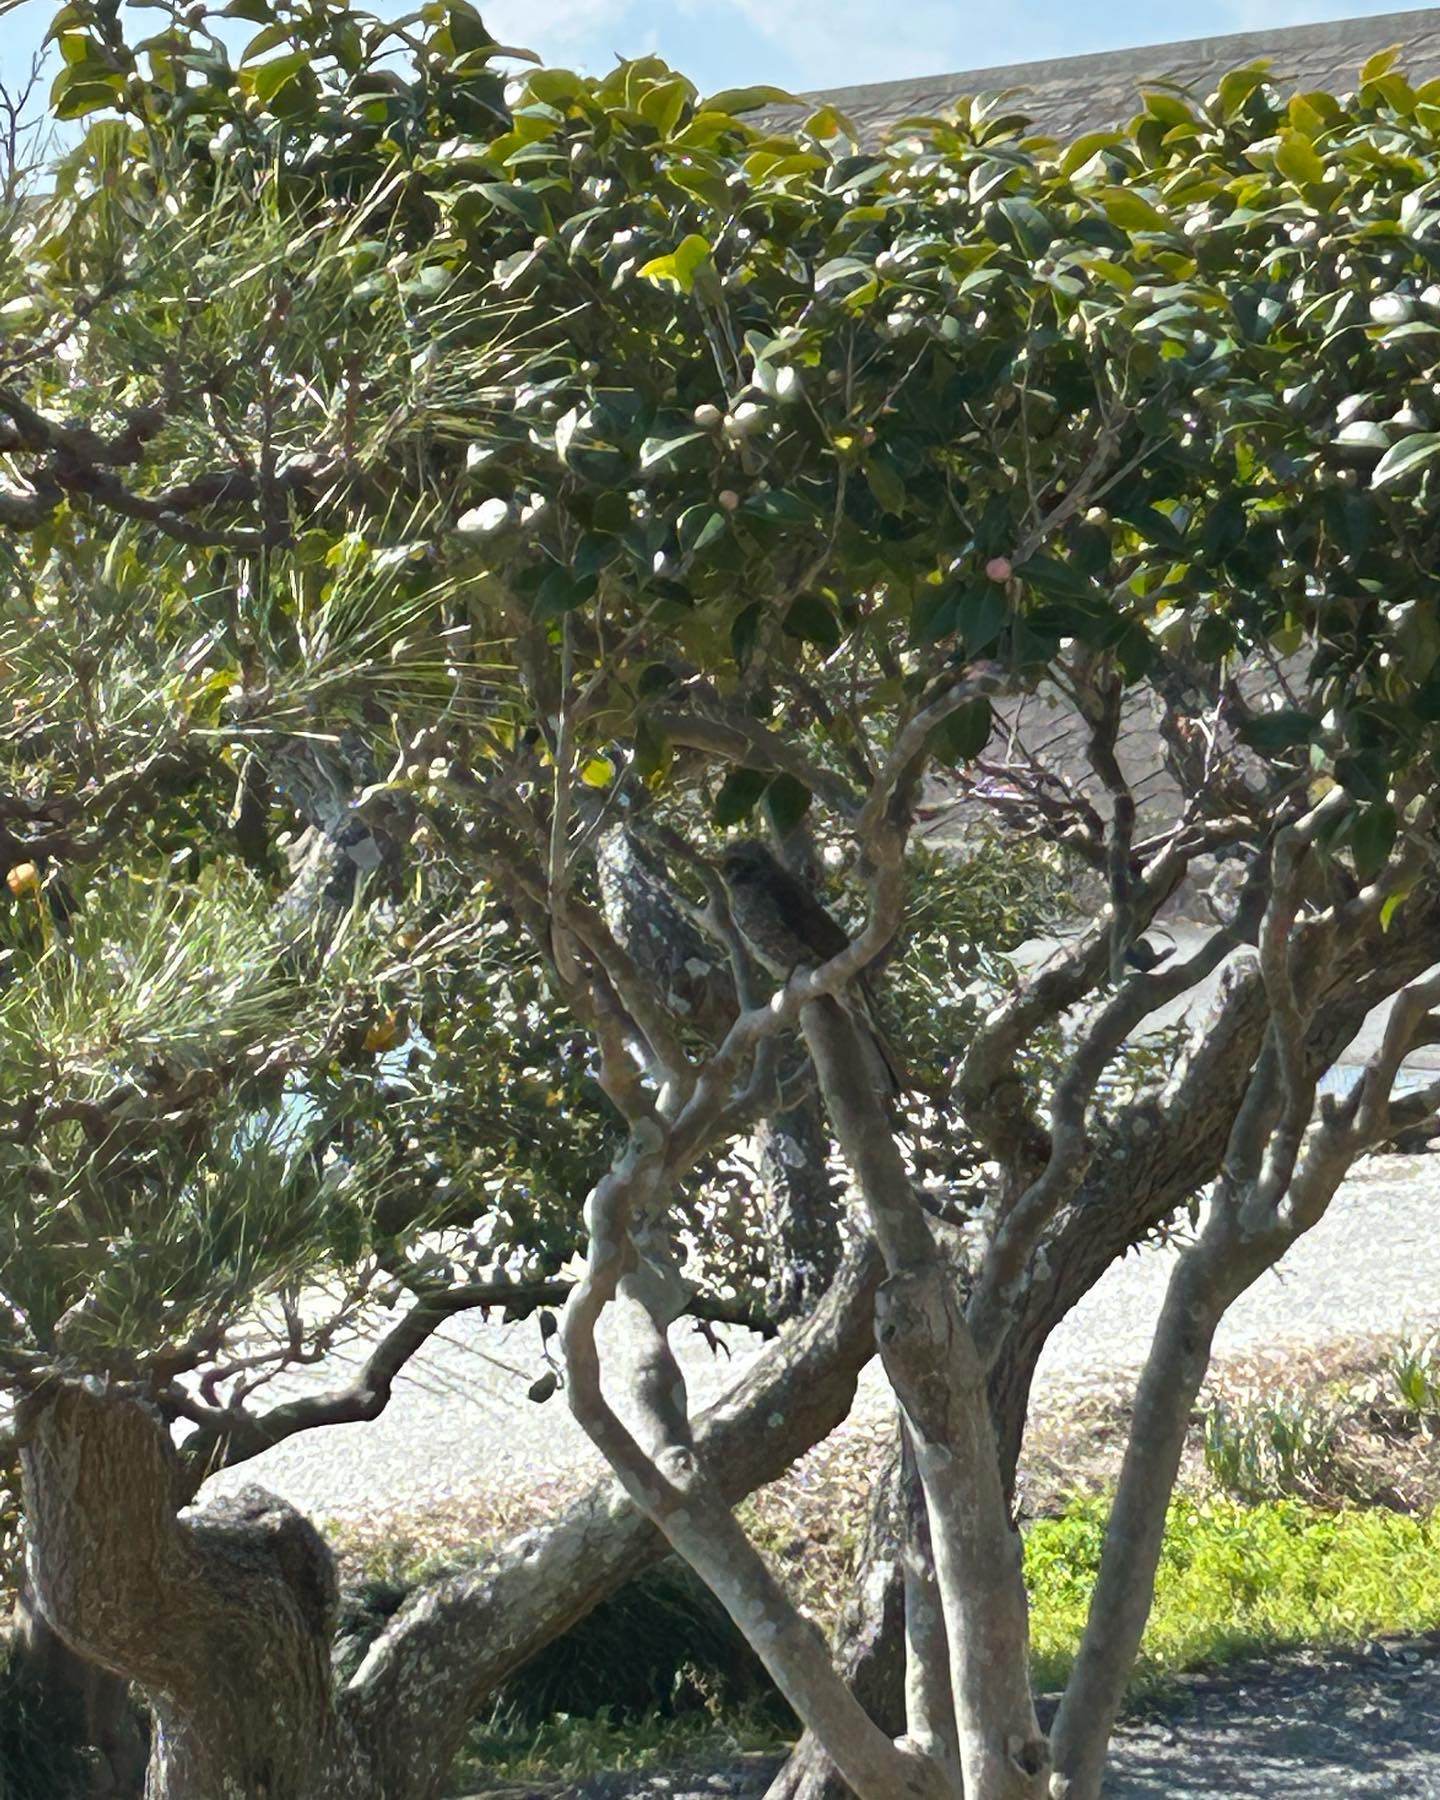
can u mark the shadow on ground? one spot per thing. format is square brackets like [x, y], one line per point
[1310, 1726]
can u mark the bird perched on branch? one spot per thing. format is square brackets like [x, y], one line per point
[788, 929]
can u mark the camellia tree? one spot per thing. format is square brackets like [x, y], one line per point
[478, 498]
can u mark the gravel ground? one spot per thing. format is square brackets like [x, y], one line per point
[1306, 1727]
[459, 1423]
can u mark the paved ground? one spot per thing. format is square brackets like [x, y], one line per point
[459, 1420]
[1305, 1728]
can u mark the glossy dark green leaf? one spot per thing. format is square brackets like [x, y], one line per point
[738, 796]
[885, 484]
[660, 453]
[1372, 837]
[934, 613]
[981, 612]
[813, 621]
[786, 801]
[1363, 774]
[1274, 732]
[561, 591]
[1406, 459]
[964, 734]
[744, 632]
[700, 526]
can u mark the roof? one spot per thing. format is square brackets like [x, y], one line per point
[1069, 95]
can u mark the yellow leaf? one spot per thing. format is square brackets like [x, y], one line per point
[599, 772]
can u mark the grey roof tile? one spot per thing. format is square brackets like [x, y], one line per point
[1083, 93]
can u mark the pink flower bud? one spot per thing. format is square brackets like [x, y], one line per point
[729, 499]
[999, 568]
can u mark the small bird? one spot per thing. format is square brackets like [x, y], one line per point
[788, 928]
[778, 916]
[1145, 956]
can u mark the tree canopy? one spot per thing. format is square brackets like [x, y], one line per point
[442, 498]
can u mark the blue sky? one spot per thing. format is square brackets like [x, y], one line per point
[822, 43]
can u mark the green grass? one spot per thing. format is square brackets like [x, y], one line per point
[568, 1748]
[1239, 1580]
[1234, 1581]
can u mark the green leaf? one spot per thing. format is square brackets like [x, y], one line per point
[653, 751]
[1170, 109]
[1132, 211]
[981, 613]
[1297, 160]
[1381, 63]
[786, 801]
[595, 551]
[1089, 549]
[1134, 651]
[744, 632]
[265, 80]
[1236, 87]
[1405, 458]
[561, 591]
[1272, 732]
[680, 267]
[1363, 775]
[830, 122]
[515, 197]
[1057, 580]
[814, 622]
[1214, 638]
[934, 613]
[665, 102]
[1372, 837]
[270, 38]
[748, 99]
[780, 508]
[1087, 146]
[699, 526]
[739, 793]
[1224, 527]
[77, 99]
[1393, 903]
[1033, 231]
[553, 87]
[886, 485]
[961, 737]
[662, 452]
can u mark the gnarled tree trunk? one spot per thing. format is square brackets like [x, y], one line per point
[223, 1616]
[89, 1735]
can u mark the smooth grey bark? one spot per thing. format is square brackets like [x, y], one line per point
[929, 1702]
[657, 1462]
[454, 1640]
[940, 1381]
[1150, 1157]
[1205, 1282]
[1277, 1186]
[871, 1616]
